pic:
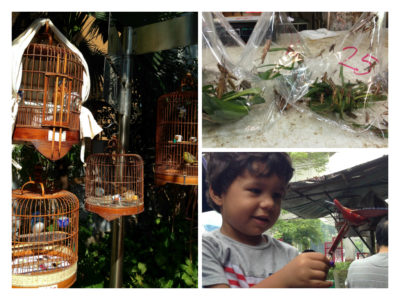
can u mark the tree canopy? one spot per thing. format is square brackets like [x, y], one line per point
[299, 232]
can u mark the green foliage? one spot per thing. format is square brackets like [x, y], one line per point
[93, 257]
[338, 266]
[326, 97]
[299, 232]
[317, 160]
[156, 254]
[328, 231]
[39, 168]
[231, 107]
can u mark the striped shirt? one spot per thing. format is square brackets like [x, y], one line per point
[370, 272]
[226, 261]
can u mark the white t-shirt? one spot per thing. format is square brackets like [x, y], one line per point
[226, 261]
[370, 272]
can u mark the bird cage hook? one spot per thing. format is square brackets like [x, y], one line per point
[47, 34]
[187, 82]
[112, 145]
[31, 182]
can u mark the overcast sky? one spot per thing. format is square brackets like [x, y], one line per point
[350, 158]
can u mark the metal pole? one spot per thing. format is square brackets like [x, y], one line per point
[125, 99]
[125, 102]
[117, 252]
[372, 241]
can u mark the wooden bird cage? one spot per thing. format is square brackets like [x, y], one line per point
[44, 238]
[114, 185]
[176, 139]
[50, 97]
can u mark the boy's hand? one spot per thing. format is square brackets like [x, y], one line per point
[307, 270]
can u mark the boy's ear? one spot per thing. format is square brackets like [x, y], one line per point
[215, 198]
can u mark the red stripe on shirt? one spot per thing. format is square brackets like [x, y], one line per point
[238, 275]
[234, 282]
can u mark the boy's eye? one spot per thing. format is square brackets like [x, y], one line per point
[277, 195]
[255, 191]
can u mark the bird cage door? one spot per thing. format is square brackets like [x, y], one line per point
[57, 98]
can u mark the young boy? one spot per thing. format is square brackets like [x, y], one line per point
[247, 189]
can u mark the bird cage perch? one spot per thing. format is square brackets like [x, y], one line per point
[114, 185]
[176, 139]
[44, 238]
[50, 96]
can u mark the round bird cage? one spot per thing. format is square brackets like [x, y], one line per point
[114, 185]
[44, 238]
[50, 97]
[176, 139]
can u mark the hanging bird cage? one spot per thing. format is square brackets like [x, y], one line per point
[176, 138]
[114, 185]
[44, 238]
[50, 96]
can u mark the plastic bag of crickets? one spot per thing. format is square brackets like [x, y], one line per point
[240, 78]
[229, 91]
[276, 53]
[349, 86]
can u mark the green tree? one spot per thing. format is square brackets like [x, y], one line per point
[299, 232]
[309, 164]
[316, 160]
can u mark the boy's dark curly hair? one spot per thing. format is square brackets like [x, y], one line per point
[224, 167]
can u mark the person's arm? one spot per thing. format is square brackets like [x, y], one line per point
[218, 286]
[306, 270]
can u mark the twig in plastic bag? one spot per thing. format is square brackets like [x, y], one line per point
[224, 79]
[365, 24]
[265, 50]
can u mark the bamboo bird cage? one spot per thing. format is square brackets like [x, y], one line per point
[44, 238]
[114, 185]
[50, 97]
[176, 138]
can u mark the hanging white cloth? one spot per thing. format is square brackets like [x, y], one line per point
[88, 125]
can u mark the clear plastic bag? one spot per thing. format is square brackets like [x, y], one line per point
[276, 52]
[251, 72]
[228, 94]
[350, 78]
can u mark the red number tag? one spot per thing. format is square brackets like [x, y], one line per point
[364, 59]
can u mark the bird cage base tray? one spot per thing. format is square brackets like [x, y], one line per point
[175, 177]
[109, 210]
[29, 281]
[52, 269]
[39, 137]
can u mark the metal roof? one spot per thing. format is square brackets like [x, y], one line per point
[365, 185]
